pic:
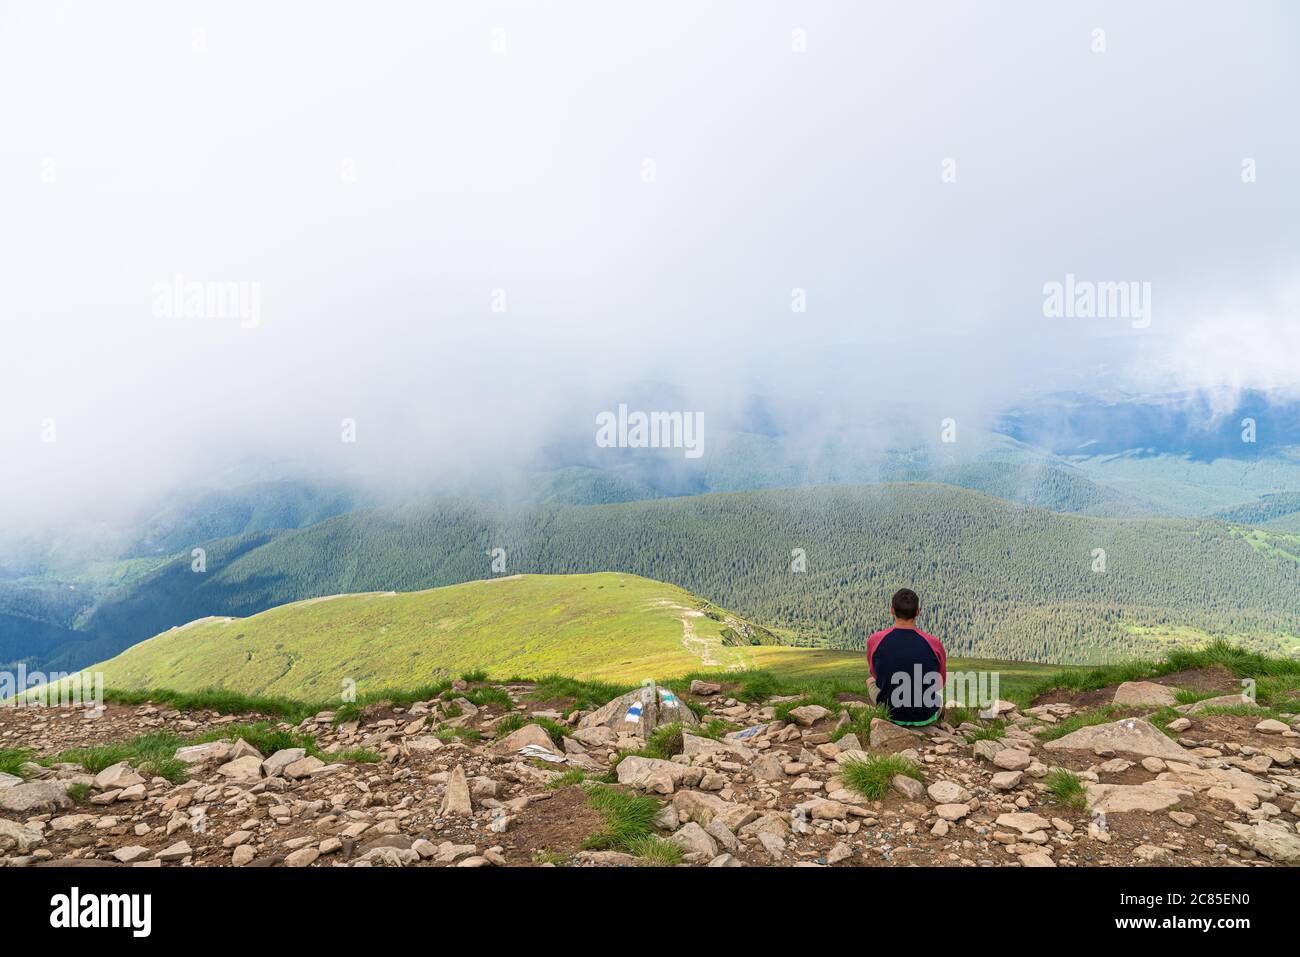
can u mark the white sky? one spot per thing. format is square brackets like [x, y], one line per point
[140, 141]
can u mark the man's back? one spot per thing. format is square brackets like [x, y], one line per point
[910, 668]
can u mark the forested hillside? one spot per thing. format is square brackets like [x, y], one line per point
[997, 579]
[1269, 510]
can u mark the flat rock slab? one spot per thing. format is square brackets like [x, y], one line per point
[886, 734]
[1222, 701]
[1119, 798]
[1130, 735]
[1270, 839]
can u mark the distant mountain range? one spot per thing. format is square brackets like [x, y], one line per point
[1103, 469]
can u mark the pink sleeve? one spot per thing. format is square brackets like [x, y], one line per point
[937, 646]
[872, 644]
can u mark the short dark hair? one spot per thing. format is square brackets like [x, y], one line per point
[905, 604]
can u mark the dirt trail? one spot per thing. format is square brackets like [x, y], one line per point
[711, 651]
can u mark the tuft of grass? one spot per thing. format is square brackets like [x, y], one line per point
[12, 760]
[628, 820]
[758, 686]
[350, 711]
[860, 722]
[993, 730]
[654, 851]
[1076, 721]
[509, 724]
[1161, 718]
[545, 856]
[475, 676]
[871, 777]
[662, 743]
[79, 792]
[665, 741]
[358, 755]
[1066, 788]
[715, 729]
[567, 779]
[479, 697]
[961, 714]
[151, 754]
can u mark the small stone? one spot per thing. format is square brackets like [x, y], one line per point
[1007, 780]
[840, 852]
[952, 812]
[809, 714]
[303, 858]
[1009, 759]
[180, 850]
[909, 787]
[947, 792]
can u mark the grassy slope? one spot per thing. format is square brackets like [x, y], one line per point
[614, 627]
[611, 626]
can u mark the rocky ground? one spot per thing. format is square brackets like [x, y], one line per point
[1222, 789]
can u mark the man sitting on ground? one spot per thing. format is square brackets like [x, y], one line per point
[908, 667]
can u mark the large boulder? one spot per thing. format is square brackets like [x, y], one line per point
[1142, 694]
[1129, 735]
[639, 712]
[35, 797]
